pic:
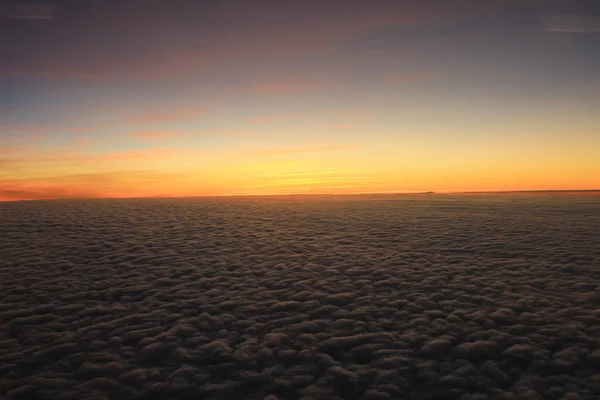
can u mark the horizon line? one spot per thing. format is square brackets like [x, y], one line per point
[392, 193]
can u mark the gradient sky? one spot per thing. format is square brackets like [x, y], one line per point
[183, 97]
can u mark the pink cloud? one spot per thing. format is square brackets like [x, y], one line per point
[153, 134]
[173, 116]
[286, 87]
[414, 77]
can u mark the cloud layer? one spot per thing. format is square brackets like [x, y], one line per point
[415, 297]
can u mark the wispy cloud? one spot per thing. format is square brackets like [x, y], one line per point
[165, 116]
[141, 67]
[57, 73]
[336, 114]
[139, 154]
[153, 134]
[414, 77]
[291, 86]
[101, 120]
[80, 157]
[100, 184]
[26, 192]
[14, 147]
[277, 151]
[33, 132]
[268, 119]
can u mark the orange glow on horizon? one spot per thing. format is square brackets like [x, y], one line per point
[309, 97]
[314, 169]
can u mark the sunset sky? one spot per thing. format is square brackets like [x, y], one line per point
[191, 98]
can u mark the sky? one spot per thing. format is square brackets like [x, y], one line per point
[145, 98]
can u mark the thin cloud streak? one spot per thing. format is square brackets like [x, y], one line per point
[86, 158]
[153, 134]
[415, 77]
[287, 87]
[303, 150]
[165, 116]
[91, 185]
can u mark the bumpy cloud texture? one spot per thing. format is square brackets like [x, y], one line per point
[416, 297]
